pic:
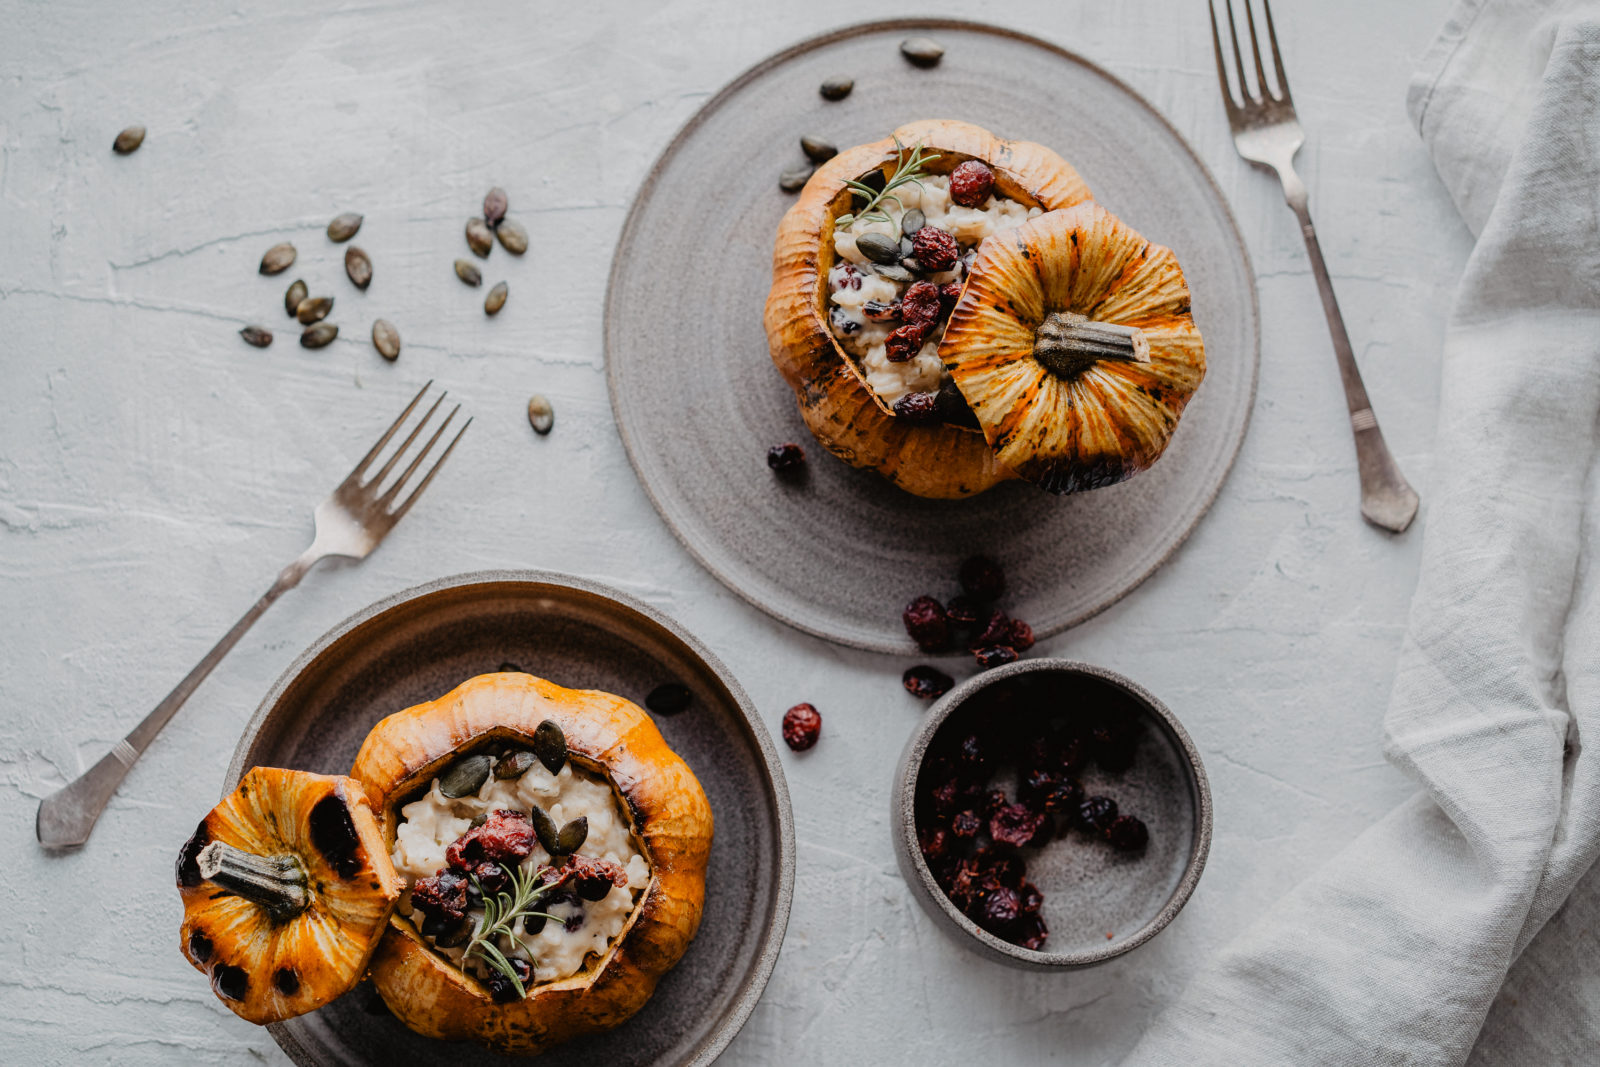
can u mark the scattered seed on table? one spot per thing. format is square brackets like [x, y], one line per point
[128, 140]
[479, 237]
[837, 88]
[494, 206]
[496, 299]
[794, 179]
[669, 698]
[541, 416]
[818, 149]
[386, 339]
[291, 300]
[313, 309]
[278, 259]
[358, 266]
[344, 226]
[468, 273]
[513, 238]
[318, 335]
[256, 335]
[922, 51]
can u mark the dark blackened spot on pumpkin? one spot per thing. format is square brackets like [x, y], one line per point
[287, 981]
[219, 894]
[230, 982]
[333, 833]
[199, 946]
[189, 858]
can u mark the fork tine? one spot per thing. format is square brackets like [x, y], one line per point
[1222, 66]
[1238, 57]
[377, 479]
[394, 490]
[1255, 51]
[355, 474]
[1277, 57]
[412, 499]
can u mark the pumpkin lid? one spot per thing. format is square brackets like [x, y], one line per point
[1074, 346]
[287, 887]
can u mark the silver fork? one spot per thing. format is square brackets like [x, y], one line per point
[1266, 132]
[351, 522]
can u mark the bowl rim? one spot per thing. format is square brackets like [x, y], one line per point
[910, 851]
[744, 1003]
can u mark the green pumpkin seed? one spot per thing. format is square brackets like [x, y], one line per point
[291, 300]
[922, 51]
[496, 299]
[358, 266]
[128, 140]
[550, 745]
[541, 416]
[513, 238]
[478, 820]
[669, 698]
[794, 179]
[912, 221]
[344, 227]
[465, 776]
[880, 248]
[532, 924]
[257, 336]
[494, 206]
[513, 765]
[837, 88]
[544, 828]
[818, 149]
[386, 339]
[894, 274]
[316, 336]
[313, 309]
[573, 835]
[468, 273]
[479, 237]
[278, 259]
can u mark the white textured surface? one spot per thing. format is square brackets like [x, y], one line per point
[155, 471]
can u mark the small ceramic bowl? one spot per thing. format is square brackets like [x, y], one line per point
[1098, 902]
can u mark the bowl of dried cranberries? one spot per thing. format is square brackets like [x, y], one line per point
[1051, 814]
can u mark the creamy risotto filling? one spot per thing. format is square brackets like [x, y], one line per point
[861, 292]
[555, 950]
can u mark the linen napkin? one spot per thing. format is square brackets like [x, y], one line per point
[1394, 951]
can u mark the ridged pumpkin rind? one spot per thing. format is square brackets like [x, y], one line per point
[840, 409]
[671, 819]
[1114, 419]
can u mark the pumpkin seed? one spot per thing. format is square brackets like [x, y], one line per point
[358, 266]
[879, 248]
[128, 140]
[794, 179]
[291, 299]
[386, 339]
[344, 227]
[668, 699]
[922, 51]
[541, 416]
[573, 835]
[532, 924]
[454, 938]
[912, 221]
[317, 336]
[513, 765]
[894, 274]
[550, 745]
[278, 259]
[479, 237]
[257, 336]
[816, 149]
[468, 273]
[513, 238]
[313, 309]
[905, 247]
[494, 206]
[837, 88]
[465, 776]
[544, 828]
[495, 300]
[911, 264]
[478, 820]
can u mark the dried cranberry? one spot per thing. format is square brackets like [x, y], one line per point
[1096, 813]
[927, 624]
[492, 877]
[1113, 746]
[971, 882]
[905, 342]
[842, 323]
[786, 458]
[1006, 867]
[971, 183]
[995, 656]
[1030, 898]
[443, 894]
[926, 682]
[1127, 834]
[966, 824]
[1021, 637]
[993, 801]
[982, 578]
[920, 303]
[849, 276]
[949, 296]
[974, 758]
[506, 836]
[918, 407]
[502, 988]
[935, 842]
[1073, 753]
[880, 311]
[945, 798]
[1015, 825]
[801, 726]
[999, 910]
[1037, 785]
[1065, 796]
[1030, 932]
[592, 878]
[993, 629]
[936, 249]
[962, 610]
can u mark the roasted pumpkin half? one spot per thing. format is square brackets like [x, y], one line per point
[573, 839]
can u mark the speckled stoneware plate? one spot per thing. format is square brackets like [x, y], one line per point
[420, 644]
[698, 401]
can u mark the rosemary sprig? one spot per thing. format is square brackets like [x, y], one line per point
[500, 914]
[909, 169]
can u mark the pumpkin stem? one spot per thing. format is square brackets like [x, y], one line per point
[277, 883]
[1067, 344]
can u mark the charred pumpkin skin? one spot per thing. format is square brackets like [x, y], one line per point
[287, 966]
[838, 406]
[671, 820]
[1104, 424]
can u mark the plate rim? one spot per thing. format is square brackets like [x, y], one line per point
[675, 145]
[771, 945]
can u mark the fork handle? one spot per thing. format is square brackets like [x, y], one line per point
[67, 816]
[1387, 499]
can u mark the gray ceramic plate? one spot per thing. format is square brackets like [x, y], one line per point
[698, 401]
[418, 645]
